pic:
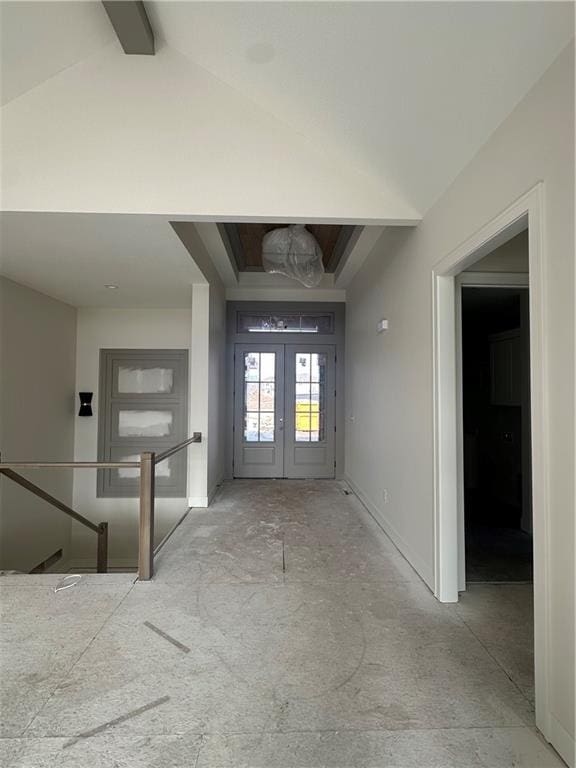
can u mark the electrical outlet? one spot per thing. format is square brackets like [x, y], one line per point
[385, 496]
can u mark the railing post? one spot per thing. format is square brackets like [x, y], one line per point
[102, 551]
[146, 530]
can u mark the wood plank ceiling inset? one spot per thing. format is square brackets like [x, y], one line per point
[245, 242]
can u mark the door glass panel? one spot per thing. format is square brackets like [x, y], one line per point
[145, 380]
[268, 366]
[144, 423]
[302, 392]
[252, 396]
[267, 397]
[310, 397]
[267, 427]
[259, 396]
[251, 427]
[251, 366]
[303, 367]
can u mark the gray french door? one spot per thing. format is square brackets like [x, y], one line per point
[284, 410]
[259, 410]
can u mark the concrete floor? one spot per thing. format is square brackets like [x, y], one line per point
[282, 630]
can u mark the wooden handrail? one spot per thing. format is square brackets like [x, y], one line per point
[196, 438]
[101, 529]
[146, 465]
[68, 464]
[16, 478]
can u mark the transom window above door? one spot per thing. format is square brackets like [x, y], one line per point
[290, 322]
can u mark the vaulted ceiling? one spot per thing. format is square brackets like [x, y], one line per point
[331, 114]
[406, 92]
[316, 109]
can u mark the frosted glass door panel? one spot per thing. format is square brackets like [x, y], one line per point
[144, 423]
[145, 380]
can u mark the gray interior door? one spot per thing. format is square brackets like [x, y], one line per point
[284, 410]
[310, 399]
[259, 410]
[142, 406]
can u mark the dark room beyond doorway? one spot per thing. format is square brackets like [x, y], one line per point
[496, 409]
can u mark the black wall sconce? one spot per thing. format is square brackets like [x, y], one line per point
[85, 403]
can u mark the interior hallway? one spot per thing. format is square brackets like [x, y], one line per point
[282, 630]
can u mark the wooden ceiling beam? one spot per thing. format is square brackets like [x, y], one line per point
[132, 26]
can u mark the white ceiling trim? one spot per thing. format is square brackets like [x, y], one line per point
[351, 262]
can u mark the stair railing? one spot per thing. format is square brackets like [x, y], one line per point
[146, 465]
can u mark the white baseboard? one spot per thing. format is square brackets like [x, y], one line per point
[422, 568]
[203, 502]
[214, 490]
[562, 742]
[198, 502]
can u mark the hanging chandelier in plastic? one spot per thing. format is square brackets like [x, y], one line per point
[293, 251]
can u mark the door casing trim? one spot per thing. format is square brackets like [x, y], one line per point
[527, 210]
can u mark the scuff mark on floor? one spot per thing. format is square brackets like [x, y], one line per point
[117, 721]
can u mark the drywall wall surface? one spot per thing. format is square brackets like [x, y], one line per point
[37, 405]
[209, 350]
[511, 257]
[220, 155]
[199, 394]
[118, 329]
[389, 433]
[216, 387]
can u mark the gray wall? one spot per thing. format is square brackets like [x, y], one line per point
[217, 387]
[37, 406]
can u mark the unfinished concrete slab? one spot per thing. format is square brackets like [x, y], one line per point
[282, 629]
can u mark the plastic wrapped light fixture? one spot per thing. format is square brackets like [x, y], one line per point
[294, 252]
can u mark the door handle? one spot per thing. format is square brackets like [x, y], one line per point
[281, 422]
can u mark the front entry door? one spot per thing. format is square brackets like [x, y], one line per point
[310, 399]
[284, 411]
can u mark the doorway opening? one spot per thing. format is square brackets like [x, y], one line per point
[495, 381]
[284, 410]
[526, 213]
[285, 396]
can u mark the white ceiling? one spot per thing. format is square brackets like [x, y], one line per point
[72, 256]
[407, 92]
[402, 93]
[40, 39]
